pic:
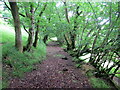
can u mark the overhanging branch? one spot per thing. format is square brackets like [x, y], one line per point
[10, 9]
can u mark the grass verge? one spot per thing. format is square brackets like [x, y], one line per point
[15, 64]
[98, 83]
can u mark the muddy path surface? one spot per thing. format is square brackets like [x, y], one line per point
[57, 71]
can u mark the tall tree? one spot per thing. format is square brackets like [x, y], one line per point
[38, 26]
[31, 28]
[18, 36]
[66, 36]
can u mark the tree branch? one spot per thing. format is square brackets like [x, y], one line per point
[10, 9]
[43, 10]
[37, 7]
[94, 13]
[7, 6]
[22, 15]
[77, 11]
[66, 12]
[25, 28]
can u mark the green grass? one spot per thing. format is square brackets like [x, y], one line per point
[98, 83]
[20, 62]
[8, 34]
[5, 82]
[90, 73]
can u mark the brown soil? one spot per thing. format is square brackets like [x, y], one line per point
[54, 72]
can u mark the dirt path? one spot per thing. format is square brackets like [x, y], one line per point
[57, 71]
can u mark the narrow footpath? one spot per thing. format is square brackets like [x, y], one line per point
[57, 71]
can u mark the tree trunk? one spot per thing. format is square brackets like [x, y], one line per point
[67, 42]
[45, 38]
[36, 36]
[73, 37]
[66, 35]
[73, 33]
[30, 40]
[31, 30]
[18, 36]
[38, 27]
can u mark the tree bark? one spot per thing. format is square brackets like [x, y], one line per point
[38, 27]
[18, 36]
[36, 36]
[66, 12]
[31, 29]
[45, 38]
[66, 35]
[73, 34]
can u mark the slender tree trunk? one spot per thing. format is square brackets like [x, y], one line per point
[68, 40]
[36, 36]
[31, 30]
[18, 36]
[45, 38]
[73, 34]
[38, 27]
[68, 45]
[66, 12]
[73, 37]
[30, 40]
